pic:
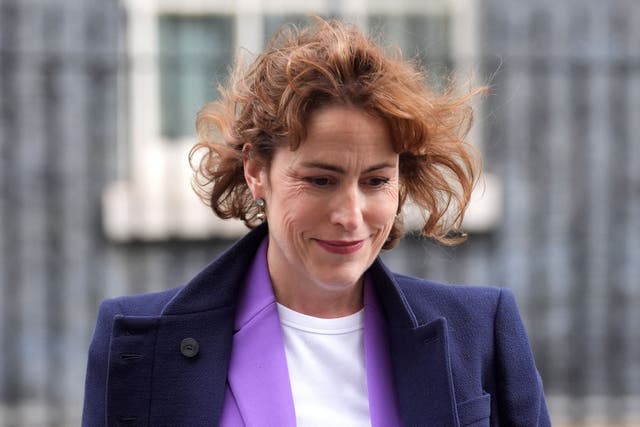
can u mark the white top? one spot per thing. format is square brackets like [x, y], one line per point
[325, 358]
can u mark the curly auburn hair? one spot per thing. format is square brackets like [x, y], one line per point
[268, 103]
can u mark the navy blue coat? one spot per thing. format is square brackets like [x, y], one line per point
[460, 354]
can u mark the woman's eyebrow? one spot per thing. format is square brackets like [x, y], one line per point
[338, 169]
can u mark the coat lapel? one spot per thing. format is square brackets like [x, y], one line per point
[423, 375]
[419, 356]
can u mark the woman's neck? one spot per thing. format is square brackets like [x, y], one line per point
[326, 304]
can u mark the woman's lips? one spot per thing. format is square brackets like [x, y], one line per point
[341, 247]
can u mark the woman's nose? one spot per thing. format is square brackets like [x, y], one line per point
[348, 209]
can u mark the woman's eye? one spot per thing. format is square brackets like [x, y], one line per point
[318, 181]
[377, 182]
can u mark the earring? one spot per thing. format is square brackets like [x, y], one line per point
[260, 203]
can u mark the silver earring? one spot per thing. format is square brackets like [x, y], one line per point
[260, 203]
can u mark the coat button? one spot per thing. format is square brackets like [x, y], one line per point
[189, 347]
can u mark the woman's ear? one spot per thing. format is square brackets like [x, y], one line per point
[254, 172]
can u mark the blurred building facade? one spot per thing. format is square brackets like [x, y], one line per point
[97, 102]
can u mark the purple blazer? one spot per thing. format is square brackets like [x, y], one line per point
[258, 396]
[456, 355]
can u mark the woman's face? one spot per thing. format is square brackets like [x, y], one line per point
[330, 206]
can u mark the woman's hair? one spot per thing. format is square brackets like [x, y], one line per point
[268, 103]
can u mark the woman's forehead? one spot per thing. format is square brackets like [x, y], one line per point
[343, 128]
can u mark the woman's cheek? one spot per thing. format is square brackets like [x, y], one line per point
[388, 204]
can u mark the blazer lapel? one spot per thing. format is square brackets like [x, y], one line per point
[383, 402]
[258, 374]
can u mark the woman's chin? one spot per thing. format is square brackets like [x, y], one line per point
[337, 281]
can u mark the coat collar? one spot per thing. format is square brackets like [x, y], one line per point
[419, 355]
[218, 284]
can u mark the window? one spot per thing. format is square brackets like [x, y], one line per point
[179, 50]
[423, 36]
[195, 52]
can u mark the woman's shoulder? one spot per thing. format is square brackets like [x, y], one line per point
[145, 304]
[458, 303]
[420, 288]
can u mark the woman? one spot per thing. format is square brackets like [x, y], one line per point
[317, 146]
